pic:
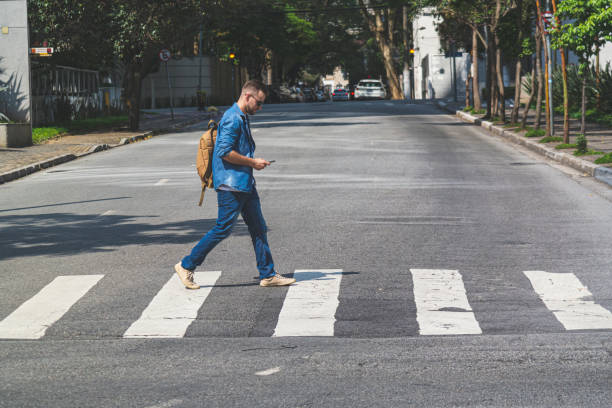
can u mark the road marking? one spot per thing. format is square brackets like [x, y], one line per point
[442, 304]
[109, 212]
[310, 305]
[173, 309]
[36, 315]
[161, 182]
[569, 300]
[269, 371]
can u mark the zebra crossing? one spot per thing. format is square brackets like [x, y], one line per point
[310, 305]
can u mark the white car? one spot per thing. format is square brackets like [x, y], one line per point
[370, 88]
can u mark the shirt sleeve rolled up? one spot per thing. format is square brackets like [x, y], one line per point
[227, 137]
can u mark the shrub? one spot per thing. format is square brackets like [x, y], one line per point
[566, 146]
[535, 133]
[581, 144]
[605, 159]
[549, 139]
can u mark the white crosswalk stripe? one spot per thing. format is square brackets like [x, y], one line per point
[569, 300]
[310, 305]
[173, 309]
[442, 304]
[36, 315]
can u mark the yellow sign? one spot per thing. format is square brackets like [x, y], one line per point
[4, 30]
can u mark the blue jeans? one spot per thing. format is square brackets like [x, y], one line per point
[231, 204]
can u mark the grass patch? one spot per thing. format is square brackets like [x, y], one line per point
[587, 153]
[535, 133]
[605, 159]
[566, 146]
[43, 133]
[40, 134]
[549, 139]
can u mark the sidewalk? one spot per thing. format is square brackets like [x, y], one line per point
[599, 138]
[19, 162]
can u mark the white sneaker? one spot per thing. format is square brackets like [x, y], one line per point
[186, 276]
[276, 280]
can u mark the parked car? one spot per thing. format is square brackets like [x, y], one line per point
[370, 88]
[309, 95]
[340, 94]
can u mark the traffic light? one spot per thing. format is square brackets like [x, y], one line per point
[412, 50]
[232, 56]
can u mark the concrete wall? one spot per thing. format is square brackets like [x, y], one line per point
[14, 60]
[433, 70]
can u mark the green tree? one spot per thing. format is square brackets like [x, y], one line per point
[586, 26]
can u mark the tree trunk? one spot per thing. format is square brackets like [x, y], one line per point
[538, 108]
[517, 77]
[583, 116]
[531, 97]
[565, 98]
[467, 90]
[489, 77]
[498, 65]
[377, 27]
[500, 80]
[475, 88]
[517, 92]
[546, 85]
[133, 88]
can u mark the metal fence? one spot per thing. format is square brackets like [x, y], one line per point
[61, 93]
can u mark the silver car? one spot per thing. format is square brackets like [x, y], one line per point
[340, 94]
[370, 88]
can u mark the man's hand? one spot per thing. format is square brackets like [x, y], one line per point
[236, 158]
[259, 164]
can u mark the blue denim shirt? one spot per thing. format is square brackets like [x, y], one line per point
[233, 134]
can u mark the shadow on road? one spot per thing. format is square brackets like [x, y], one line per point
[58, 234]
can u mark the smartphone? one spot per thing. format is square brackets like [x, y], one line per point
[272, 161]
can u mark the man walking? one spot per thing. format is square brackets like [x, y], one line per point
[233, 165]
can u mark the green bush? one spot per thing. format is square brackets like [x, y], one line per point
[605, 159]
[535, 133]
[549, 139]
[566, 146]
[581, 144]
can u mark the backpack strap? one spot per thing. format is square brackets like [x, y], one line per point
[202, 195]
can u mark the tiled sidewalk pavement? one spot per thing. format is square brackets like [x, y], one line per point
[599, 138]
[18, 162]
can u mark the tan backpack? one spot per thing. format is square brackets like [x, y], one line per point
[204, 158]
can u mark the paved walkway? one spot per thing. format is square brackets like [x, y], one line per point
[19, 162]
[599, 138]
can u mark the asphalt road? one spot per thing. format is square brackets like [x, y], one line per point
[451, 270]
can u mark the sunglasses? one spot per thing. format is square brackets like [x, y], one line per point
[259, 103]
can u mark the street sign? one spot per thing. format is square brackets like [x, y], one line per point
[42, 52]
[164, 55]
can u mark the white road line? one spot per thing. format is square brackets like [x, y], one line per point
[173, 309]
[569, 300]
[33, 317]
[161, 182]
[442, 304]
[269, 371]
[109, 212]
[310, 306]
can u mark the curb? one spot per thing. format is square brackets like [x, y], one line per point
[32, 168]
[54, 161]
[601, 173]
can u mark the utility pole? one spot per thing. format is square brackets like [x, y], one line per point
[549, 17]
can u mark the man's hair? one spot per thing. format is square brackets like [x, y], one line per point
[254, 85]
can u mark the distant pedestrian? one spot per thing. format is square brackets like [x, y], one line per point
[233, 164]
